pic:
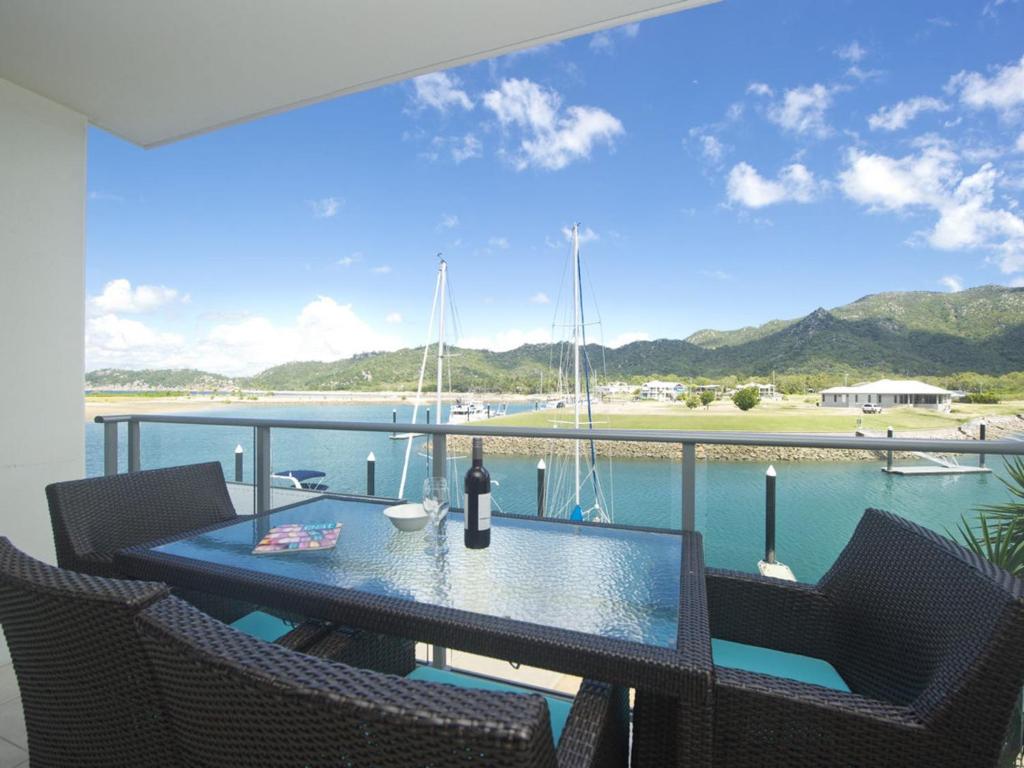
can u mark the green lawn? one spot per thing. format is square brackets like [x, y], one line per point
[772, 418]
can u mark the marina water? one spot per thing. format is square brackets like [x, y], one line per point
[819, 503]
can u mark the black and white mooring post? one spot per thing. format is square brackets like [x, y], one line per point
[394, 418]
[982, 427]
[770, 566]
[888, 455]
[371, 472]
[541, 495]
[769, 516]
[428, 415]
[239, 460]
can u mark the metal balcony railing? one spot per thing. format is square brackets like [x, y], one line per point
[687, 440]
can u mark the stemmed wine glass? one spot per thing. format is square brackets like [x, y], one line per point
[435, 504]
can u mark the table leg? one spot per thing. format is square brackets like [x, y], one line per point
[439, 657]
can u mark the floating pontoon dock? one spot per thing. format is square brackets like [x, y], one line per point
[938, 469]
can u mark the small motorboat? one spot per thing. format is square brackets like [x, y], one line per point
[302, 479]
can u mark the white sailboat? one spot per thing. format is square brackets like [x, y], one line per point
[576, 489]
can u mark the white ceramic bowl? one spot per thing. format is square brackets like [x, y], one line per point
[407, 517]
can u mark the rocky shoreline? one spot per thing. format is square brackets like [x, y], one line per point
[998, 426]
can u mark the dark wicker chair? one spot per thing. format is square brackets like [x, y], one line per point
[929, 638]
[94, 518]
[278, 708]
[86, 687]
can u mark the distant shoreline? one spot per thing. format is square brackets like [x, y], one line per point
[141, 403]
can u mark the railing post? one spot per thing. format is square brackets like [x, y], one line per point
[982, 428]
[262, 469]
[769, 515]
[371, 471]
[110, 448]
[428, 415]
[888, 455]
[134, 446]
[439, 468]
[239, 463]
[541, 488]
[394, 419]
[689, 486]
[439, 449]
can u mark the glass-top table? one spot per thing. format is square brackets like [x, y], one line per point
[601, 601]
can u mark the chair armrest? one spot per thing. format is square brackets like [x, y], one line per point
[596, 735]
[766, 720]
[771, 613]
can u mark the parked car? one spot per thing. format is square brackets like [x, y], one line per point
[871, 408]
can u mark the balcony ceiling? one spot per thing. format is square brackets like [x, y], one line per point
[153, 71]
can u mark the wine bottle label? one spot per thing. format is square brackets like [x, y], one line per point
[483, 510]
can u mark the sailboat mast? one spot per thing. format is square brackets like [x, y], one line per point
[419, 387]
[576, 344]
[440, 340]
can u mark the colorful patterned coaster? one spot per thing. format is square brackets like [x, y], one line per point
[299, 537]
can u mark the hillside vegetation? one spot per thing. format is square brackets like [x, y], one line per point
[963, 339]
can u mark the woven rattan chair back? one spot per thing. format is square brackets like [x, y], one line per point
[923, 622]
[86, 688]
[275, 707]
[94, 518]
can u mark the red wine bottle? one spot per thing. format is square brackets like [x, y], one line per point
[478, 500]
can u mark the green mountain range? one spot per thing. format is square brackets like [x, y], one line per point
[916, 333]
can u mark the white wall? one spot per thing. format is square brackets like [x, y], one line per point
[42, 268]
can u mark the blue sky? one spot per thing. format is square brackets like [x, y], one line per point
[732, 164]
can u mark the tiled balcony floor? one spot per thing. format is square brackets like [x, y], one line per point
[13, 742]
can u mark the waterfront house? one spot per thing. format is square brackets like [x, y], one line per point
[702, 388]
[662, 390]
[766, 391]
[888, 394]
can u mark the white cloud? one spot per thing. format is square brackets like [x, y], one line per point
[863, 74]
[802, 110]
[394, 318]
[119, 296]
[586, 235]
[552, 137]
[540, 298]
[1003, 92]
[760, 89]
[933, 180]
[899, 114]
[604, 42]
[348, 261]
[712, 148]
[98, 195]
[384, 269]
[116, 342]
[440, 91]
[498, 242]
[506, 340]
[851, 52]
[324, 330]
[628, 337]
[601, 42]
[882, 182]
[325, 207]
[448, 221]
[795, 183]
[1019, 145]
[468, 148]
[716, 274]
[953, 283]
